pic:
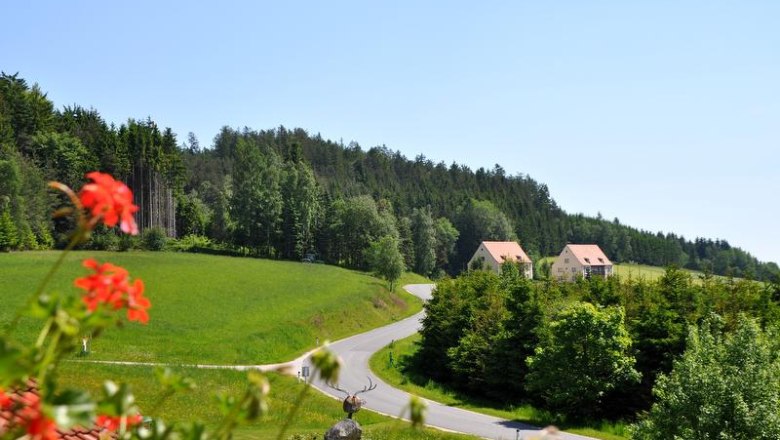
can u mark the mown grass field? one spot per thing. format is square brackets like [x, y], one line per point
[633, 271]
[220, 310]
[223, 310]
[648, 273]
[315, 415]
[429, 389]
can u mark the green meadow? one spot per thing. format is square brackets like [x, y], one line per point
[224, 310]
[315, 415]
[647, 273]
[216, 309]
[633, 271]
[429, 389]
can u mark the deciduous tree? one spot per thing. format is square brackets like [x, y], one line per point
[386, 260]
[723, 387]
[584, 354]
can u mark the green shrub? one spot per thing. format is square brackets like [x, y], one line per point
[128, 242]
[44, 237]
[190, 242]
[106, 241]
[154, 239]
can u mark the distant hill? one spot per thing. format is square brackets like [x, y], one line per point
[541, 226]
[287, 194]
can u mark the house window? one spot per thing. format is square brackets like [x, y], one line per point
[601, 260]
[560, 270]
[573, 270]
[587, 260]
[565, 261]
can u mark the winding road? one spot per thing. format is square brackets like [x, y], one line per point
[355, 352]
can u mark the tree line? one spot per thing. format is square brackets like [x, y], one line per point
[284, 193]
[612, 349]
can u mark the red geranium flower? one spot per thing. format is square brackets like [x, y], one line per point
[110, 200]
[38, 426]
[137, 303]
[5, 400]
[111, 285]
[112, 423]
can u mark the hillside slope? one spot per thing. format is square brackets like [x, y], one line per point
[220, 310]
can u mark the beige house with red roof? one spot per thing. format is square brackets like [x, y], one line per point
[492, 254]
[585, 260]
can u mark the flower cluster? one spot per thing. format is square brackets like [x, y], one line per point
[113, 423]
[29, 416]
[111, 285]
[110, 200]
[5, 400]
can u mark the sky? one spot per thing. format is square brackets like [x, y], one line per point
[664, 114]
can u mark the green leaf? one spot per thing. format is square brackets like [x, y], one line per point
[14, 363]
[117, 400]
[73, 407]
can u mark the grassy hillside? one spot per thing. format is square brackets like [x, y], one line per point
[222, 310]
[317, 413]
[211, 309]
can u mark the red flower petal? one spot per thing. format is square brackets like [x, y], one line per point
[109, 200]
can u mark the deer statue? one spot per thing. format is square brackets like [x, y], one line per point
[353, 403]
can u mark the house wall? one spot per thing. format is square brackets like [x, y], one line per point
[495, 266]
[490, 263]
[528, 270]
[566, 267]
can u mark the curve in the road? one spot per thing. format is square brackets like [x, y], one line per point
[355, 352]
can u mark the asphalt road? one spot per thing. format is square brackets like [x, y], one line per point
[355, 353]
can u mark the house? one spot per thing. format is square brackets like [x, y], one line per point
[492, 254]
[586, 260]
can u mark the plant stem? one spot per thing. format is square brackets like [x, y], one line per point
[294, 409]
[229, 422]
[44, 332]
[55, 340]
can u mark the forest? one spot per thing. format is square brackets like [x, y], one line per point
[289, 194]
[683, 357]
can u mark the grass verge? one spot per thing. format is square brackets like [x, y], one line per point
[426, 388]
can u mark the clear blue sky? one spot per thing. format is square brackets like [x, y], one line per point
[665, 114]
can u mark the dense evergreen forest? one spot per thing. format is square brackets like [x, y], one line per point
[284, 193]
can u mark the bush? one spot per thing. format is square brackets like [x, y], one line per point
[190, 242]
[154, 239]
[44, 237]
[127, 242]
[103, 239]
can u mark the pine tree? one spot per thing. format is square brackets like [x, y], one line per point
[9, 238]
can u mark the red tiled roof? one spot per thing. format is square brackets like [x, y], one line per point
[589, 254]
[511, 250]
[20, 397]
